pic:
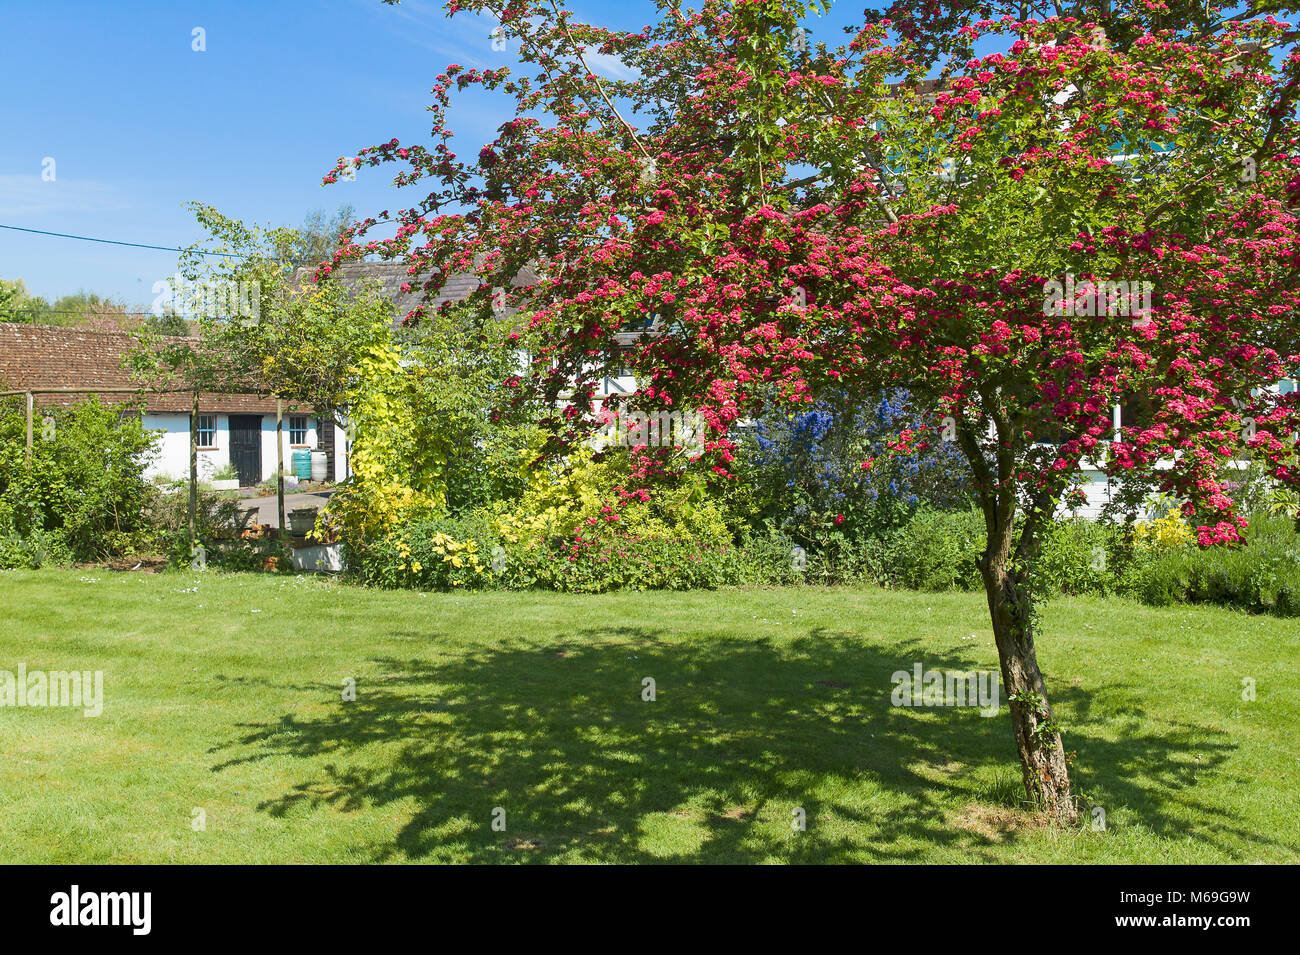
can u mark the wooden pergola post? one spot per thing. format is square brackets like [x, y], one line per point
[194, 465]
[31, 404]
[279, 458]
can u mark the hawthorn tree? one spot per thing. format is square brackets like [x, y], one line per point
[790, 220]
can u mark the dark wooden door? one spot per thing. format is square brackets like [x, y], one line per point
[246, 447]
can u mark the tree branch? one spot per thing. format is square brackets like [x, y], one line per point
[577, 49]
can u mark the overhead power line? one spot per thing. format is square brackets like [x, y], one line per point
[103, 309]
[134, 245]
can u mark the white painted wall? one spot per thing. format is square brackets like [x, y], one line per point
[173, 458]
[268, 444]
[611, 385]
[1098, 489]
[342, 466]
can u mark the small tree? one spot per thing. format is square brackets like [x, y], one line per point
[259, 327]
[11, 297]
[811, 220]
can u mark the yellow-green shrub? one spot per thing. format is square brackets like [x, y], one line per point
[1163, 534]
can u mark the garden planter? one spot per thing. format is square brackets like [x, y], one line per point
[302, 520]
[230, 485]
[318, 559]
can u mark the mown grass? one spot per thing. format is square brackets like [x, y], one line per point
[228, 698]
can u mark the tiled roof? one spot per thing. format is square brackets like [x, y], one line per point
[49, 356]
[391, 275]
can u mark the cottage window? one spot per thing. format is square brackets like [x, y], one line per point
[297, 429]
[207, 430]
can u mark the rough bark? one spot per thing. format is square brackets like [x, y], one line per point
[1003, 566]
[1042, 754]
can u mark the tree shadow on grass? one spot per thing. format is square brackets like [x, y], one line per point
[741, 734]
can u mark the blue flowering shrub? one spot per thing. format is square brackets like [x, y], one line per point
[802, 480]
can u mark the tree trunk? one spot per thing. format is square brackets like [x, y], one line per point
[31, 402]
[1042, 756]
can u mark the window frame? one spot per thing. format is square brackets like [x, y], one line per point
[303, 430]
[200, 431]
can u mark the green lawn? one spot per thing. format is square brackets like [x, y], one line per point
[228, 698]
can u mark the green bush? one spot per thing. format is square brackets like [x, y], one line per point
[1261, 576]
[622, 561]
[446, 553]
[1079, 556]
[83, 481]
[428, 553]
[937, 550]
[931, 550]
[934, 550]
[769, 557]
[36, 549]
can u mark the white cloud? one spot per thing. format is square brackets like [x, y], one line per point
[610, 65]
[467, 38]
[31, 196]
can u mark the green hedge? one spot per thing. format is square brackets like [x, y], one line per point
[79, 494]
[1261, 576]
[445, 553]
[934, 550]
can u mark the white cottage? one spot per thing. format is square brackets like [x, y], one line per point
[239, 430]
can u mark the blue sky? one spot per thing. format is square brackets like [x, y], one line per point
[138, 123]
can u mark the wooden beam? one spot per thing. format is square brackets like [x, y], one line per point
[31, 402]
[99, 391]
[279, 458]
